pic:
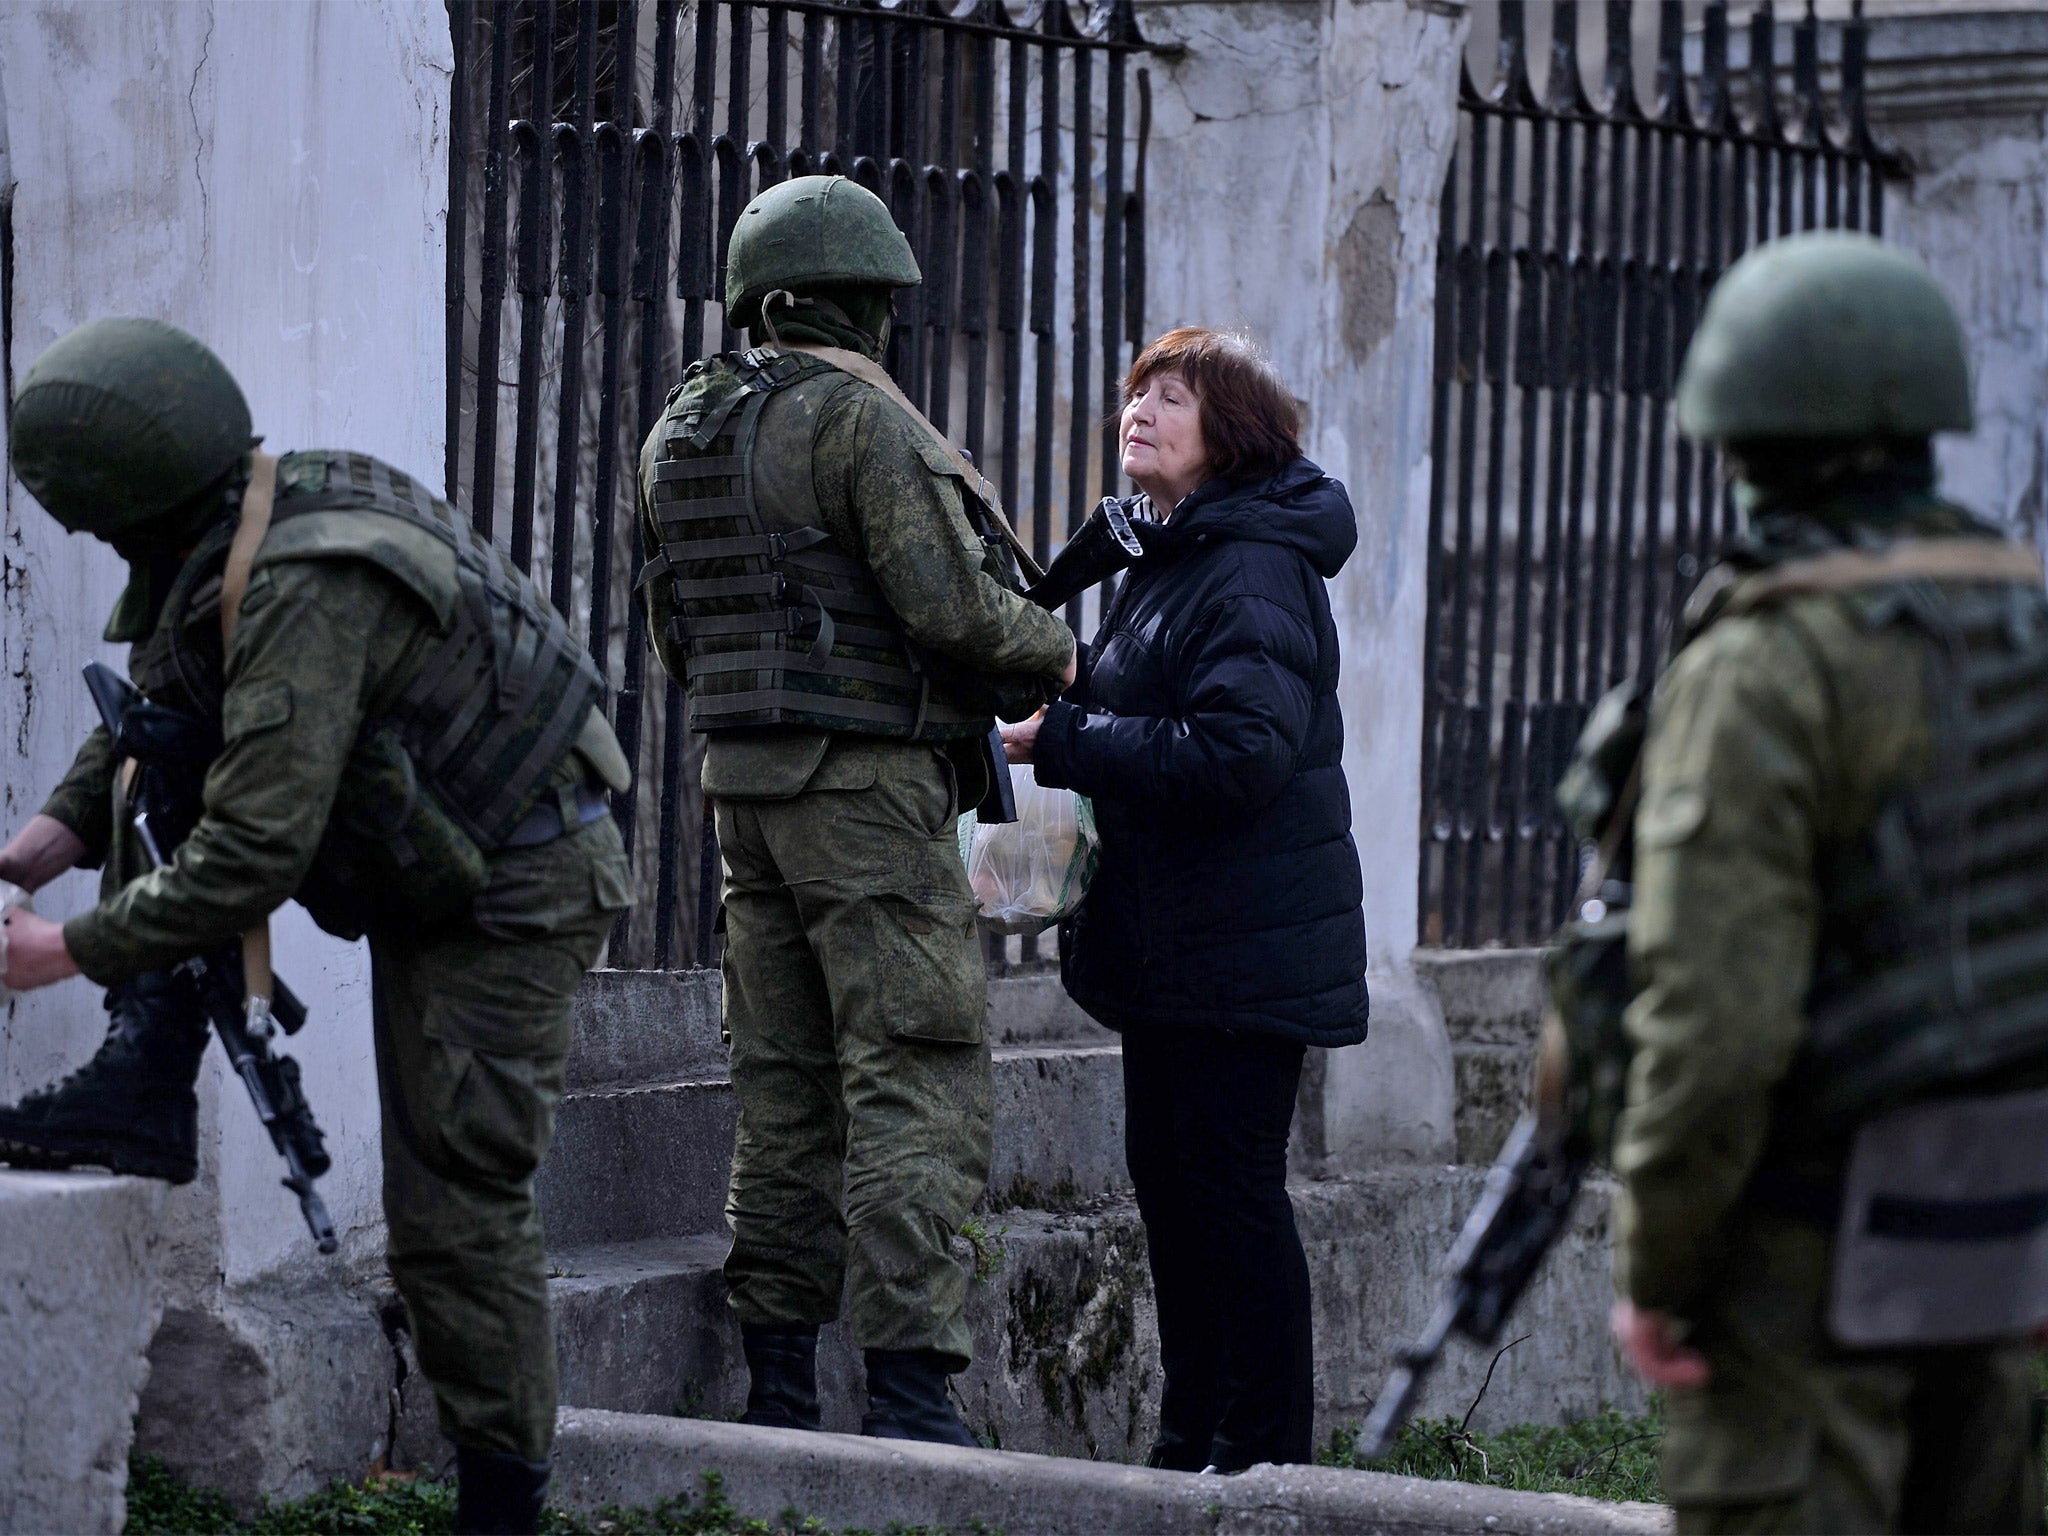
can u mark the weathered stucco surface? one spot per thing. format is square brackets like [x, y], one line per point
[79, 1298]
[1297, 156]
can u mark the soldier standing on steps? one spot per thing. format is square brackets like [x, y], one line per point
[413, 750]
[1832, 1150]
[816, 583]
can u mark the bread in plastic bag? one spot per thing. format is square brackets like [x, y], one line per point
[1031, 873]
[12, 899]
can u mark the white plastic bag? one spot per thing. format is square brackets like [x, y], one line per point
[12, 899]
[1030, 873]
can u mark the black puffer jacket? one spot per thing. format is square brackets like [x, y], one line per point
[1206, 730]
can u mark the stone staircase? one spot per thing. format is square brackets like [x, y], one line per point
[1061, 1312]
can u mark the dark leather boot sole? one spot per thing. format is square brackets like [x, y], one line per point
[55, 1149]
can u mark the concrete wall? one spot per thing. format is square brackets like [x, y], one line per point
[1298, 152]
[1964, 92]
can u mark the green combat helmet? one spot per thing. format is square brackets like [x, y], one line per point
[123, 420]
[1825, 335]
[809, 232]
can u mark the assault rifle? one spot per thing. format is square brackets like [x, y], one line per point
[1521, 1213]
[171, 750]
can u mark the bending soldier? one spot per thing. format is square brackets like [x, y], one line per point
[840, 624]
[1830, 1246]
[412, 749]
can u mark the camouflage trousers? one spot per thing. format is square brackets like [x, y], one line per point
[473, 1028]
[1794, 1433]
[855, 997]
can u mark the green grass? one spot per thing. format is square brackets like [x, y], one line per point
[1607, 1456]
[159, 1504]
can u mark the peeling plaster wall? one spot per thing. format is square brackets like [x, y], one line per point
[272, 178]
[1977, 211]
[1297, 158]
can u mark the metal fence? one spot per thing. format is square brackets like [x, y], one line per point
[601, 153]
[1579, 238]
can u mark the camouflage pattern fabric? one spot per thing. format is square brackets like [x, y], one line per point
[473, 1027]
[855, 998]
[1775, 735]
[880, 498]
[472, 1017]
[1795, 1434]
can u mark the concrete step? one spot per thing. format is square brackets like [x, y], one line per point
[80, 1296]
[642, 1027]
[1492, 1001]
[1065, 1333]
[612, 1459]
[652, 1160]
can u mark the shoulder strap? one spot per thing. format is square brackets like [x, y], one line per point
[258, 497]
[1843, 570]
[870, 372]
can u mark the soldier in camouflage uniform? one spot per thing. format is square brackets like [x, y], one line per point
[412, 750]
[1818, 859]
[817, 583]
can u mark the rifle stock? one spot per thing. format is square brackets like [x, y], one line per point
[161, 739]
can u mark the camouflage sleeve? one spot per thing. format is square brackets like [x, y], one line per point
[84, 799]
[298, 678]
[925, 555]
[1721, 940]
[658, 595]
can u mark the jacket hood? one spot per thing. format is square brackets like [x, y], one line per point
[1298, 507]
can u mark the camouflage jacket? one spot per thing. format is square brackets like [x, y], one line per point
[318, 648]
[1774, 736]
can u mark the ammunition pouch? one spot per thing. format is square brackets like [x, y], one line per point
[391, 855]
[1587, 971]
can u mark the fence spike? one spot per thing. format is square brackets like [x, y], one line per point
[1565, 90]
[1511, 58]
[1673, 104]
[1714, 113]
[1620, 81]
[1763, 74]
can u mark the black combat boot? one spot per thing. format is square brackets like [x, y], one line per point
[498, 1494]
[782, 1375]
[131, 1108]
[907, 1398]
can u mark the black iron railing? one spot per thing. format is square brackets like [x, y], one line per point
[600, 154]
[1579, 238]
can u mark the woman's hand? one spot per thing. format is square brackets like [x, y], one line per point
[1020, 741]
[1073, 669]
[1651, 1342]
[36, 952]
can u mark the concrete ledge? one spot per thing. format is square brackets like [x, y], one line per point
[1489, 996]
[79, 1300]
[843, 1480]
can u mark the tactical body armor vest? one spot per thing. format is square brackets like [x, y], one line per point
[1931, 975]
[488, 714]
[460, 748]
[781, 626]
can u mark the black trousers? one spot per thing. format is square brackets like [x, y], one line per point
[1205, 1132]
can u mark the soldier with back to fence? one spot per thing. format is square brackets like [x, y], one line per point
[1832, 1077]
[403, 735]
[828, 579]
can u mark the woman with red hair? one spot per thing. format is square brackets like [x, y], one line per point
[1222, 934]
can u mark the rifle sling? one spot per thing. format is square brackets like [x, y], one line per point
[258, 498]
[871, 372]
